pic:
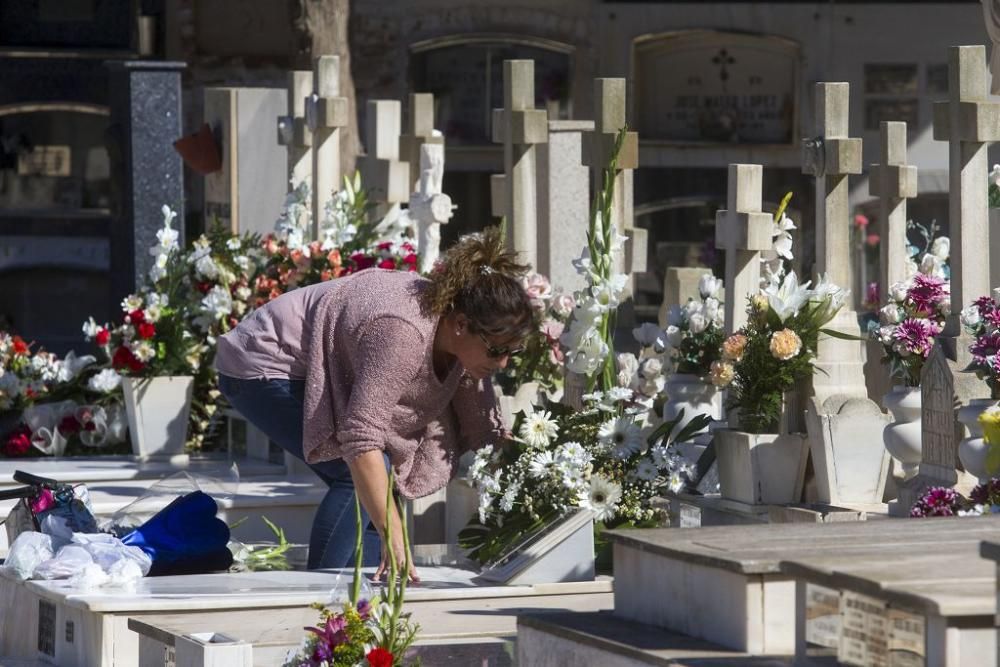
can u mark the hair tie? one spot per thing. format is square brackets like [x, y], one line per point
[486, 269]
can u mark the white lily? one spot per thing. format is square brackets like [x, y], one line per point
[788, 297]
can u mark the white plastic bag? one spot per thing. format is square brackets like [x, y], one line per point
[89, 578]
[29, 550]
[108, 550]
[68, 561]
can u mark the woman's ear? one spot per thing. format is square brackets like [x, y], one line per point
[461, 323]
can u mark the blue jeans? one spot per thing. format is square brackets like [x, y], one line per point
[275, 407]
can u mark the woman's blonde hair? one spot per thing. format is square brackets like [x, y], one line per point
[480, 278]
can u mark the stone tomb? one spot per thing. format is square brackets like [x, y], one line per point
[728, 585]
[266, 610]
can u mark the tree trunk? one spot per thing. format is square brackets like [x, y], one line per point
[323, 25]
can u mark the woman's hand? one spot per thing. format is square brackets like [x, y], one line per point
[399, 552]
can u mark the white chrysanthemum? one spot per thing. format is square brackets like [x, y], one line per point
[602, 497]
[622, 436]
[104, 382]
[574, 454]
[509, 496]
[480, 464]
[660, 456]
[538, 429]
[540, 464]
[646, 470]
[618, 394]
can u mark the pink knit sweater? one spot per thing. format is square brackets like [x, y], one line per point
[365, 351]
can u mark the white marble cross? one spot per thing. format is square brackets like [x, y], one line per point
[293, 133]
[743, 231]
[429, 206]
[893, 181]
[968, 122]
[326, 112]
[519, 126]
[597, 148]
[382, 172]
[419, 131]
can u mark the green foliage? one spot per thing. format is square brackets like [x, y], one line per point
[994, 195]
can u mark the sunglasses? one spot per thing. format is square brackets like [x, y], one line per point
[494, 352]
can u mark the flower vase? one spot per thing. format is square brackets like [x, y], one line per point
[694, 395]
[157, 410]
[902, 438]
[972, 450]
[761, 468]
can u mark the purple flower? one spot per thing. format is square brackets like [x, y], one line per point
[985, 304]
[364, 609]
[916, 336]
[926, 293]
[985, 345]
[937, 501]
[330, 635]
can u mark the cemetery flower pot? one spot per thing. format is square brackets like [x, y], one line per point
[972, 449]
[694, 395]
[157, 410]
[761, 468]
[902, 438]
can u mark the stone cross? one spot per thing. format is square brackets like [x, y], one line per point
[831, 158]
[519, 127]
[326, 112]
[382, 172]
[893, 181]
[609, 118]
[293, 133]
[968, 121]
[429, 207]
[419, 131]
[743, 231]
[839, 156]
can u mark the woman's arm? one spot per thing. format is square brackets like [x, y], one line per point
[371, 483]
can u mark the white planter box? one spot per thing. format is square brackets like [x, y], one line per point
[158, 410]
[761, 468]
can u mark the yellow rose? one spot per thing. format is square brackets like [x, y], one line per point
[785, 344]
[733, 347]
[722, 373]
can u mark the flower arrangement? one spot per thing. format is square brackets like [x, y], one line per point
[363, 634]
[542, 359]
[602, 458]
[910, 322]
[943, 501]
[588, 337]
[993, 187]
[694, 332]
[982, 321]
[932, 258]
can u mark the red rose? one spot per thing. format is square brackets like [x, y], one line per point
[102, 337]
[20, 347]
[387, 264]
[146, 330]
[18, 442]
[203, 286]
[123, 358]
[385, 245]
[379, 657]
[362, 261]
[69, 425]
[136, 317]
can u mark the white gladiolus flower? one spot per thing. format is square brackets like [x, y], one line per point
[217, 303]
[104, 382]
[539, 429]
[588, 356]
[602, 497]
[628, 366]
[709, 286]
[782, 243]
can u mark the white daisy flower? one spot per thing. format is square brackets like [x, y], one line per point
[538, 429]
[602, 497]
[647, 471]
[540, 463]
[622, 436]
